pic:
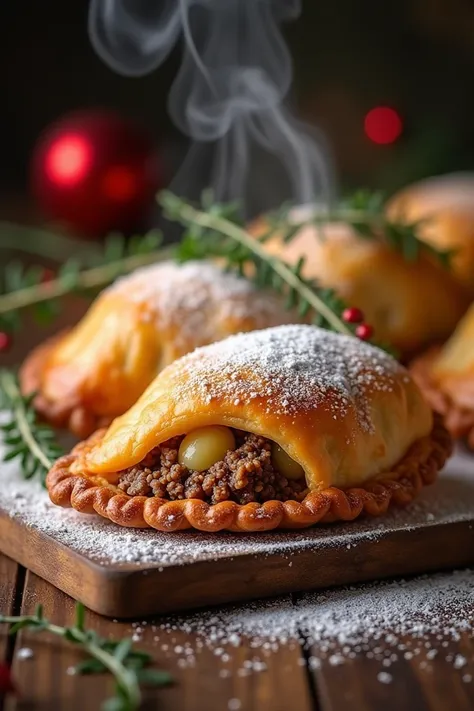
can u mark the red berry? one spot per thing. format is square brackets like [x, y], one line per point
[352, 315]
[5, 341]
[364, 331]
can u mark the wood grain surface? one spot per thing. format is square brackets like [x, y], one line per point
[137, 590]
[419, 684]
[9, 572]
[286, 684]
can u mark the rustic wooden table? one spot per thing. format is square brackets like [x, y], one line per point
[287, 681]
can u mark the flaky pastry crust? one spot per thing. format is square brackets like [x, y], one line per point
[69, 412]
[445, 206]
[86, 377]
[91, 494]
[409, 304]
[458, 418]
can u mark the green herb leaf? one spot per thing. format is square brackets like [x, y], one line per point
[89, 666]
[33, 443]
[154, 677]
[116, 657]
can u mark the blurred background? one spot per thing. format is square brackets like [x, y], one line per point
[415, 57]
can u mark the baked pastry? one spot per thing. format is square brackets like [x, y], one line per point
[446, 203]
[280, 428]
[446, 376]
[136, 327]
[408, 304]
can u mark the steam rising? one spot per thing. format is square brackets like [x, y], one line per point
[229, 96]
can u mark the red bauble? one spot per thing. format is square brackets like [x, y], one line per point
[96, 172]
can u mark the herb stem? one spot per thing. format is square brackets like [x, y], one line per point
[189, 215]
[44, 243]
[8, 384]
[126, 679]
[88, 279]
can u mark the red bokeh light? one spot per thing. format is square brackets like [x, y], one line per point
[68, 159]
[383, 125]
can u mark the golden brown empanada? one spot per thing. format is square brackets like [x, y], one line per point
[446, 376]
[446, 204]
[408, 304]
[136, 327]
[284, 427]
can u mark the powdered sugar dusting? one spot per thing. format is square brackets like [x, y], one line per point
[451, 499]
[198, 297]
[294, 368]
[418, 620]
[349, 615]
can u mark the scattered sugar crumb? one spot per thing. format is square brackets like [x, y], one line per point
[337, 625]
[384, 678]
[25, 653]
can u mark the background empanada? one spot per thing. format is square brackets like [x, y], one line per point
[136, 327]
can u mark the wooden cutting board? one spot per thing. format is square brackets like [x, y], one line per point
[127, 573]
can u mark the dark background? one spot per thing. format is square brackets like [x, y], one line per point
[415, 55]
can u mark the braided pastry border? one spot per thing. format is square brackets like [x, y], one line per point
[66, 413]
[459, 421]
[89, 494]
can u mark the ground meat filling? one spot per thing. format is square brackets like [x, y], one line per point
[245, 474]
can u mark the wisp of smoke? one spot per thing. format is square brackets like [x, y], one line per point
[229, 97]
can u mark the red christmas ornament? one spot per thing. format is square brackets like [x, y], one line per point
[352, 315]
[97, 172]
[364, 331]
[5, 342]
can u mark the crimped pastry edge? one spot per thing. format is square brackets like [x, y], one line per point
[459, 421]
[400, 486]
[69, 414]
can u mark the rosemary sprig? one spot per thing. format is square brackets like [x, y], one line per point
[45, 243]
[117, 657]
[23, 437]
[215, 234]
[365, 212]
[24, 288]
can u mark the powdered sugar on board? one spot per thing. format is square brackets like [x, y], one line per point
[450, 500]
[416, 620]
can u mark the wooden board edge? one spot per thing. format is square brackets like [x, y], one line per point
[124, 593]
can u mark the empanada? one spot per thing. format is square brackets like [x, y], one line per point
[136, 327]
[446, 376]
[445, 205]
[408, 304]
[280, 428]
